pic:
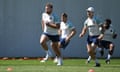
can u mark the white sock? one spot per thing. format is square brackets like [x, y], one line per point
[108, 57]
[89, 58]
[47, 54]
[60, 60]
[55, 59]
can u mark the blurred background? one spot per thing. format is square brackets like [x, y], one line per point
[20, 25]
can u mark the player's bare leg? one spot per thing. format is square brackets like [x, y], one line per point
[95, 58]
[91, 52]
[111, 49]
[56, 58]
[55, 46]
[43, 42]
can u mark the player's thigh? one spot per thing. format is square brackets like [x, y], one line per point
[89, 47]
[43, 38]
[55, 45]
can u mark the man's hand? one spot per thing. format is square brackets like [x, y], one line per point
[67, 39]
[48, 24]
[81, 35]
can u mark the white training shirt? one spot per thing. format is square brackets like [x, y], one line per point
[51, 19]
[108, 34]
[93, 26]
[66, 28]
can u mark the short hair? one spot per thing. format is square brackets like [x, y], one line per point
[65, 15]
[49, 5]
[108, 21]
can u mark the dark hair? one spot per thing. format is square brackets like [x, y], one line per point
[64, 14]
[108, 21]
[49, 5]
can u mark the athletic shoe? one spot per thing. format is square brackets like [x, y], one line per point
[49, 54]
[55, 60]
[107, 61]
[44, 60]
[97, 65]
[87, 62]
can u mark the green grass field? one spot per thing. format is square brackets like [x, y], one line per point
[70, 65]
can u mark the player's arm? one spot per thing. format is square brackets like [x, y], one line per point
[72, 33]
[102, 30]
[100, 36]
[60, 32]
[114, 35]
[84, 30]
[42, 23]
[53, 25]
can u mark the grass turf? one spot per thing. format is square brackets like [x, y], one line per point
[70, 65]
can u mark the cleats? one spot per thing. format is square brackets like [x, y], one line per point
[87, 62]
[107, 61]
[55, 60]
[97, 65]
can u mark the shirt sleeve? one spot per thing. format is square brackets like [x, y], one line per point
[56, 19]
[70, 25]
[98, 20]
[60, 25]
[85, 23]
[101, 30]
[43, 16]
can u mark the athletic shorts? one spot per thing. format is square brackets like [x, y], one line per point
[53, 38]
[63, 43]
[92, 39]
[104, 44]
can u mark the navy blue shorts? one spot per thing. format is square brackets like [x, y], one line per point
[53, 38]
[92, 39]
[63, 43]
[104, 44]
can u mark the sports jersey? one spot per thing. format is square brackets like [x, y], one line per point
[66, 28]
[93, 26]
[52, 18]
[108, 34]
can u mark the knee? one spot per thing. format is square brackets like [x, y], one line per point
[111, 49]
[111, 46]
[89, 51]
[42, 42]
